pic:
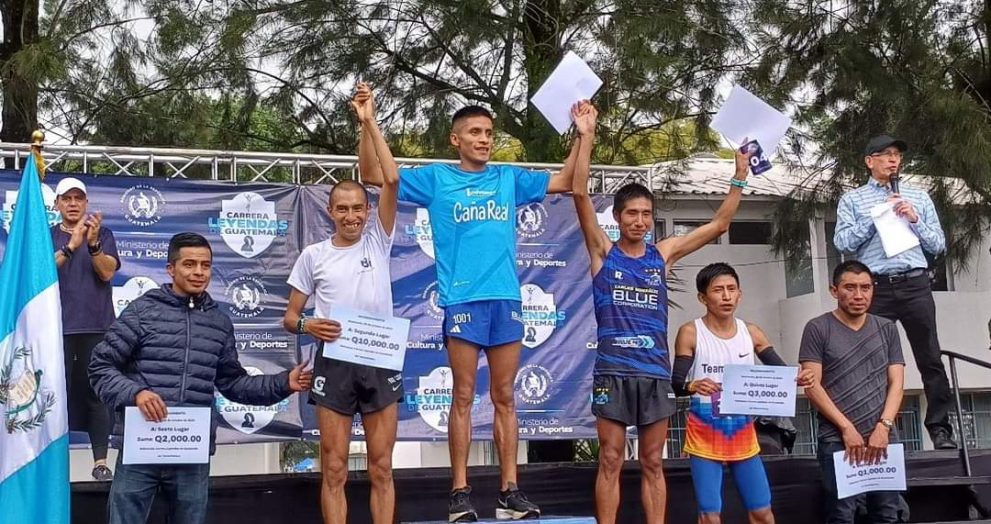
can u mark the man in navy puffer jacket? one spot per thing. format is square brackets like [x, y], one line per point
[172, 347]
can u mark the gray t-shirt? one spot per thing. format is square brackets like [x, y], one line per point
[854, 368]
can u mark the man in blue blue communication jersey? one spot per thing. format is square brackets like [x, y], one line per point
[472, 215]
[631, 383]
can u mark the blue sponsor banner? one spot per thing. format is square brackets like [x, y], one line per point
[253, 233]
[262, 350]
[258, 230]
[553, 384]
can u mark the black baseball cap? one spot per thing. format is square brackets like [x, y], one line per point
[882, 142]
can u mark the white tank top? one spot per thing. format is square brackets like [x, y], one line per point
[713, 353]
[709, 434]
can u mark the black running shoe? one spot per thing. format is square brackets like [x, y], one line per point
[513, 505]
[459, 509]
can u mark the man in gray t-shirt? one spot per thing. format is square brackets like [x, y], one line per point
[857, 361]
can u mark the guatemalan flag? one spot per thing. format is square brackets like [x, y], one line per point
[34, 442]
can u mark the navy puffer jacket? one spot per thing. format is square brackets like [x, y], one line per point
[181, 349]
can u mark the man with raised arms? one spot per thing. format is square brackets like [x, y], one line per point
[351, 269]
[472, 215]
[632, 375]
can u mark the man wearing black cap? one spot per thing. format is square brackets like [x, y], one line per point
[902, 291]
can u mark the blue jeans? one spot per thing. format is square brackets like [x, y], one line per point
[882, 506]
[186, 489]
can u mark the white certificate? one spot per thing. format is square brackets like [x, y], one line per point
[897, 236]
[570, 82]
[743, 115]
[372, 340]
[759, 390]
[889, 475]
[182, 438]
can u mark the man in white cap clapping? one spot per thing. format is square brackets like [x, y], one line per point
[86, 256]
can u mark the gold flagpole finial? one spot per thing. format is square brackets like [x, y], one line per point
[37, 139]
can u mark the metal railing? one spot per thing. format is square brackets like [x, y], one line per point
[954, 356]
[256, 166]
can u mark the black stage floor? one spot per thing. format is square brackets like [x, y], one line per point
[560, 489]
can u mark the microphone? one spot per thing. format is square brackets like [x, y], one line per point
[894, 182]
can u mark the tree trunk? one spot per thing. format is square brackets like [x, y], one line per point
[20, 94]
[542, 50]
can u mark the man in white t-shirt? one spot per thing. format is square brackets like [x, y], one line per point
[351, 269]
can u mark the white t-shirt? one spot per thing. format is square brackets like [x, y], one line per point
[356, 276]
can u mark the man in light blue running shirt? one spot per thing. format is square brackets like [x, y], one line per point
[472, 209]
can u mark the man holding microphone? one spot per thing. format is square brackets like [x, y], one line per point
[902, 289]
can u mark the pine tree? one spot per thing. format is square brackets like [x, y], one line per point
[918, 70]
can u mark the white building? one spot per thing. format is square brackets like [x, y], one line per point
[782, 301]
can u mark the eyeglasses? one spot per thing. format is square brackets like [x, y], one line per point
[888, 154]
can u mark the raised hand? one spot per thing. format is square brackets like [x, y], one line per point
[584, 115]
[93, 223]
[363, 103]
[742, 162]
[78, 235]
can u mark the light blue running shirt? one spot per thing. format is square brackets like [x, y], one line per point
[473, 221]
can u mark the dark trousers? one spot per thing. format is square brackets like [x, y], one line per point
[911, 303]
[86, 412]
[186, 489]
[882, 506]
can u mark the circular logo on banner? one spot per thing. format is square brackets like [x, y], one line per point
[130, 291]
[531, 220]
[433, 397]
[141, 205]
[245, 296]
[431, 299]
[533, 384]
[47, 196]
[248, 419]
[540, 315]
[421, 232]
[248, 224]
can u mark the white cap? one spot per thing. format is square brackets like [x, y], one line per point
[67, 184]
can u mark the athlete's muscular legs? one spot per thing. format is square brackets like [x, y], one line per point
[612, 447]
[463, 357]
[504, 363]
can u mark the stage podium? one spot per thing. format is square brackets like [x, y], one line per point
[548, 520]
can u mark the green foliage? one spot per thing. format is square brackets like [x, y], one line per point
[293, 452]
[660, 62]
[916, 69]
[586, 450]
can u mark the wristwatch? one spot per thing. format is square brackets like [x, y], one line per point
[887, 423]
[94, 250]
[301, 325]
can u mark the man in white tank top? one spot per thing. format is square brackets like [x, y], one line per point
[703, 348]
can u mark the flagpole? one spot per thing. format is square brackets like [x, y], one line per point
[37, 142]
